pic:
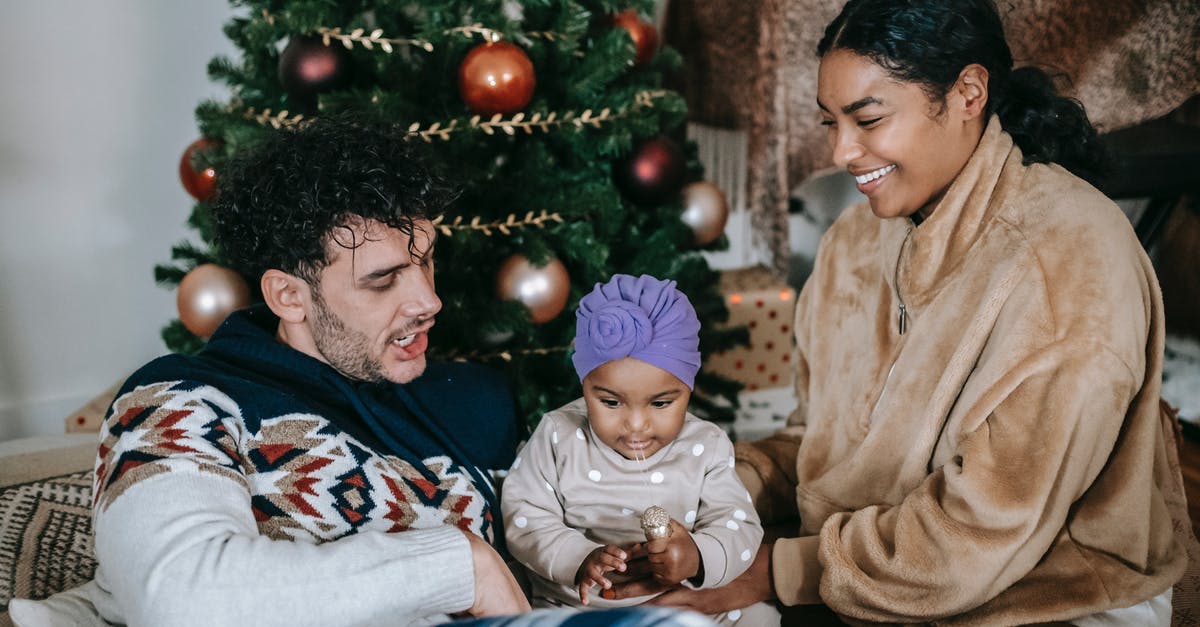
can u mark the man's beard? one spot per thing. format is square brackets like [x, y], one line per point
[348, 351]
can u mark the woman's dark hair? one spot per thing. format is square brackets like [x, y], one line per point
[279, 203]
[929, 42]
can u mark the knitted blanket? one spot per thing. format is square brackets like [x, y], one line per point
[751, 65]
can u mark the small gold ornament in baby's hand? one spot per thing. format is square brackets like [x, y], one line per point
[656, 523]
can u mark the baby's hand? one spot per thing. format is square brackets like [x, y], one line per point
[675, 557]
[591, 572]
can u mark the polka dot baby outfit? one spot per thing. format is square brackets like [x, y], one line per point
[568, 493]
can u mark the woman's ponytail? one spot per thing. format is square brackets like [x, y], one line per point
[1048, 127]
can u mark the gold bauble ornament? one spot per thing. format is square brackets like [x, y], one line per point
[704, 211]
[542, 289]
[207, 295]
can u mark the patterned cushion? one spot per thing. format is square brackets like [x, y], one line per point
[45, 516]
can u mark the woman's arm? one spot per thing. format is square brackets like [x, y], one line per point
[767, 469]
[1029, 449]
[752, 586]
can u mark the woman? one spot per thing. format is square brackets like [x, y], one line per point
[978, 437]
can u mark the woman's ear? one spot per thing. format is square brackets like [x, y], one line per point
[287, 295]
[972, 90]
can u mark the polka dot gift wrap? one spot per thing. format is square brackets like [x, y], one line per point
[766, 306]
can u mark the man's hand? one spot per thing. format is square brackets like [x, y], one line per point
[591, 572]
[675, 557]
[496, 591]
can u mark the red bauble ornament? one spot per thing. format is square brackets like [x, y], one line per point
[645, 37]
[308, 67]
[496, 77]
[207, 295]
[653, 172]
[543, 289]
[199, 183]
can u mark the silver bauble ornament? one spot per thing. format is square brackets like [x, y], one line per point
[704, 211]
[543, 289]
[207, 295]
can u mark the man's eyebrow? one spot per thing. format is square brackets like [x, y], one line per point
[371, 277]
[854, 106]
[380, 273]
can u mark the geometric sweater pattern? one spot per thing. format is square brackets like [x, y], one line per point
[307, 479]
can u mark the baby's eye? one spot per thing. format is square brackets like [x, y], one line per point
[610, 402]
[661, 404]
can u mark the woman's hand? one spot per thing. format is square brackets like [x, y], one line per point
[752, 586]
[591, 572]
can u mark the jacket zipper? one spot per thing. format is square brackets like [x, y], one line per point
[902, 318]
[903, 324]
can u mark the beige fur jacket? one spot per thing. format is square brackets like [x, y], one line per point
[1002, 461]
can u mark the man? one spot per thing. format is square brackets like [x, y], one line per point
[305, 467]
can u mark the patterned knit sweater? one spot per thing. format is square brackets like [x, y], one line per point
[255, 481]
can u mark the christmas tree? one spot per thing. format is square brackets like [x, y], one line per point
[551, 118]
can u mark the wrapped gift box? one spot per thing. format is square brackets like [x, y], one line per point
[765, 304]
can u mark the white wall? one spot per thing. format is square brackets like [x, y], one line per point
[96, 109]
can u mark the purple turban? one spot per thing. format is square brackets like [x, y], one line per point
[643, 318]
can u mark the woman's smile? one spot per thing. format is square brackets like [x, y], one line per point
[870, 181]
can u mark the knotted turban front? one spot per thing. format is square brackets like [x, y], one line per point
[640, 317]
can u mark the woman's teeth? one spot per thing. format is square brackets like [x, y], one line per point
[871, 176]
[404, 341]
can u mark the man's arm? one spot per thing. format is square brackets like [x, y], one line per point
[183, 548]
[178, 542]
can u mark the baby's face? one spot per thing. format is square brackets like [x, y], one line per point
[635, 408]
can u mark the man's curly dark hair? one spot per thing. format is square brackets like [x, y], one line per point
[279, 204]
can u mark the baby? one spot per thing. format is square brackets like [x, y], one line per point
[573, 500]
